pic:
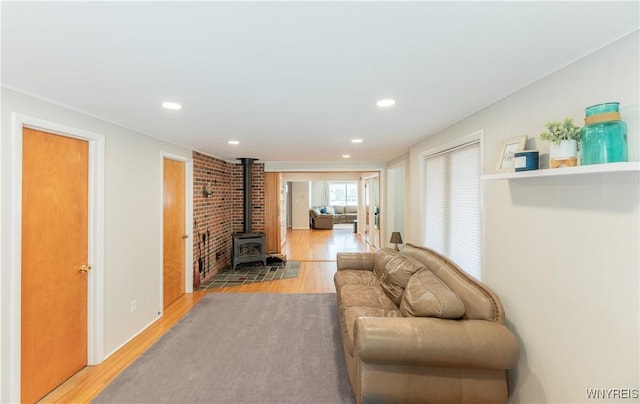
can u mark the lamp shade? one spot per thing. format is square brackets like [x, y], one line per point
[396, 237]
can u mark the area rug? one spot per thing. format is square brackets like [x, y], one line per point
[252, 273]
[243, 348]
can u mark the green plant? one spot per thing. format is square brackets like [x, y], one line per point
[559, 131]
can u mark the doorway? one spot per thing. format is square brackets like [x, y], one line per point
[47, 161]
[372, 210]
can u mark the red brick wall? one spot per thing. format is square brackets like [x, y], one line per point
[221, 214]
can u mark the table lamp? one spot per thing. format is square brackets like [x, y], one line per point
[396, 238]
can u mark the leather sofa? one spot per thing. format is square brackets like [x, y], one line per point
[345, 214]
[417, 328]
[319, 220]
[338, 214]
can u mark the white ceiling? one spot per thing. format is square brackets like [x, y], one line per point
[295, 81]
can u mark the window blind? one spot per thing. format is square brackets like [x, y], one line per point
[452, 204]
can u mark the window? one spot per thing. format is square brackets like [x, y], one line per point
[452, 205]
[343, 193]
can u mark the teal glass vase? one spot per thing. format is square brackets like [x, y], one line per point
[604, 137]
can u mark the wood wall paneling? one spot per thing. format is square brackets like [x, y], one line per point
[272, 211]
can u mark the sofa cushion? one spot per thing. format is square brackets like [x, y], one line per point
[352, 313]
[480, 302]
[395, 278]
[355, 276]
[383, 256]
[364, 296]
[350, 209]
[427, 296]
[338, 209]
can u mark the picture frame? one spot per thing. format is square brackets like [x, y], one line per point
[509, 148]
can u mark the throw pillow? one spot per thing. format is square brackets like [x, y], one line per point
[383, 256]
[329, 210]
[427, 296]
[323, 210]
[396, 276]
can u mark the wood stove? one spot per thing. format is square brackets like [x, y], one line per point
[247, 246]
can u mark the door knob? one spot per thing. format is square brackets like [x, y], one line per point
[84, 268]
[185, 236]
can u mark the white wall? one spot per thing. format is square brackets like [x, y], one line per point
[561, 252]
[300, 205]
[133, 214]
[317, 193]
[396, 197]
[336, 167]
[321, 176]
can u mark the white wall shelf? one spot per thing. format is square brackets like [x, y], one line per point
[633, 166]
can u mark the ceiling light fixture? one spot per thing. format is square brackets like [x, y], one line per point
[386, 103]
[346, 156]
[233, 142]
[171, 105]
[356, 140]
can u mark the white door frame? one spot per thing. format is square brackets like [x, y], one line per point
[188, 222]
[95, 296]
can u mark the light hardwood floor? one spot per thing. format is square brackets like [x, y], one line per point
[316, 249]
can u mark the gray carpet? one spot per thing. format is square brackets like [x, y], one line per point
[243, 348]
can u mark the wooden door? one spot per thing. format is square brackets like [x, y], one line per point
[272, 212]
[54, 247]
[173, 231]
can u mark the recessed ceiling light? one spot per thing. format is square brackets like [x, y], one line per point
[233, 142]
[356, 140]
[171, 105]
[346, 156]
[386, 103]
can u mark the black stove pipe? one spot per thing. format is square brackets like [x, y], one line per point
[246, 179]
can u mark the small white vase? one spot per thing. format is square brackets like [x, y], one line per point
[566, 149]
